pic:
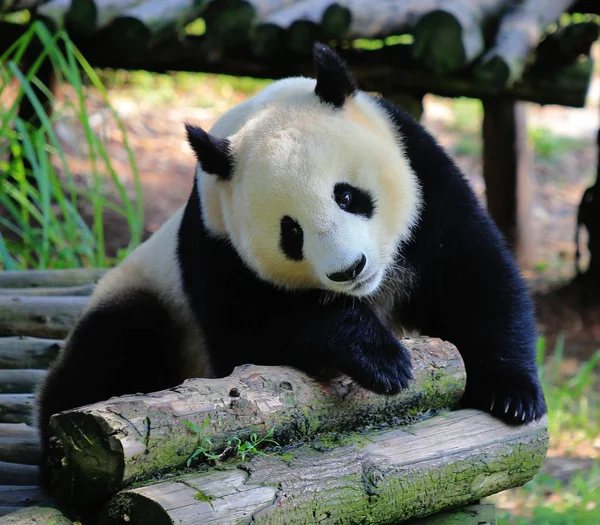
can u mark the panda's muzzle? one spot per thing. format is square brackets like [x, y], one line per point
[350, 273]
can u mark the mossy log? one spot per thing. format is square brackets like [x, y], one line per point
[388, 477]
[18, 474]
[40, 316]
[518, 34]
[451, 36]
[16, 408]
[28, 352]
[50, 278]
[16, 381]
[43, 514]
[19, 443]
[98, 448]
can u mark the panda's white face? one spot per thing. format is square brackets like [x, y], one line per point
[317, 197]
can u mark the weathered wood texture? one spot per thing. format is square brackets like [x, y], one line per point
[19, 443]
[389, 477]
[518, 34]
[21, 381]
[43, 514]
[40, 316]
[18, 474]
[28, 352]
[50, 278]
[451, 36]
[16, 408]
[477, 514]
[507, 171]
[98, 448]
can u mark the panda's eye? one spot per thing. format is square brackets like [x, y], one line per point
[344, 199]
[354, 200]
[291, 238]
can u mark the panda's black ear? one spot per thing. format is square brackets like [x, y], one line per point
[335, 83]
[213, 154]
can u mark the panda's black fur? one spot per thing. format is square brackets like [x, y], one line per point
[465, 288]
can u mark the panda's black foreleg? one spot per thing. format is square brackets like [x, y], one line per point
[342, 335]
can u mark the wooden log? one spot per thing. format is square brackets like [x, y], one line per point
[44, 514]
[83, 289]
[20, 496]
[229, 22]
[40, 316]
[295, 27]
[386, 17]
[507, 172]
[336, 20]
[28, 352]
[477, 514]
[16, 408]
[451, 36]
[17, 474]
[517, 36]
[19, 381]
[389, 477]
[19, 443]
[94, 450]
[50, 278]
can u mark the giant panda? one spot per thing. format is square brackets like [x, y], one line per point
[322, 222]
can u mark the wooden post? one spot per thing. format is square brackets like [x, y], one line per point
[507, 160]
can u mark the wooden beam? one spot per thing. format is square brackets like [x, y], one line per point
[388, 477]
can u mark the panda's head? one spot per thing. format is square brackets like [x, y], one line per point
[310, 185]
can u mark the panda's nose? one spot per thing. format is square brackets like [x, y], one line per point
[349, 273]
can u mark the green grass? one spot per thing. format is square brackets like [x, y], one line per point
[42, 225]
[548, 147]
[573, 424]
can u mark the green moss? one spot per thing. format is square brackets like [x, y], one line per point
[201, 496]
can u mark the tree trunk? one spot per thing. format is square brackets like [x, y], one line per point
[387, 477]
[28, 352]
[518, 34]
[40, 316]
[451, 36]
[507, 171]
[96, 449]
[50, 278]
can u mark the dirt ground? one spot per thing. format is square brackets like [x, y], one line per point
[154, 121]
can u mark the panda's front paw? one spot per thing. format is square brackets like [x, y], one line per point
[384, 369]
[514, 397]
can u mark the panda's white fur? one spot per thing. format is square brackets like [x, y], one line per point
[291, 152]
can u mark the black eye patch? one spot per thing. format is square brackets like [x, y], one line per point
[354, 200]
[291, 238]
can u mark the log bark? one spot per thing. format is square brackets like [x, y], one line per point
[20, 381]
[19, 443]
[18, 474]
[82, 289]
[390, 477]
[16, 408]
[96, 449]
[20, 496]
[451, 36]
[477, 514]
[28, 352]
[50, 278]
[44, 514]
[518, 34]
[507, 171]
[44, 317]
